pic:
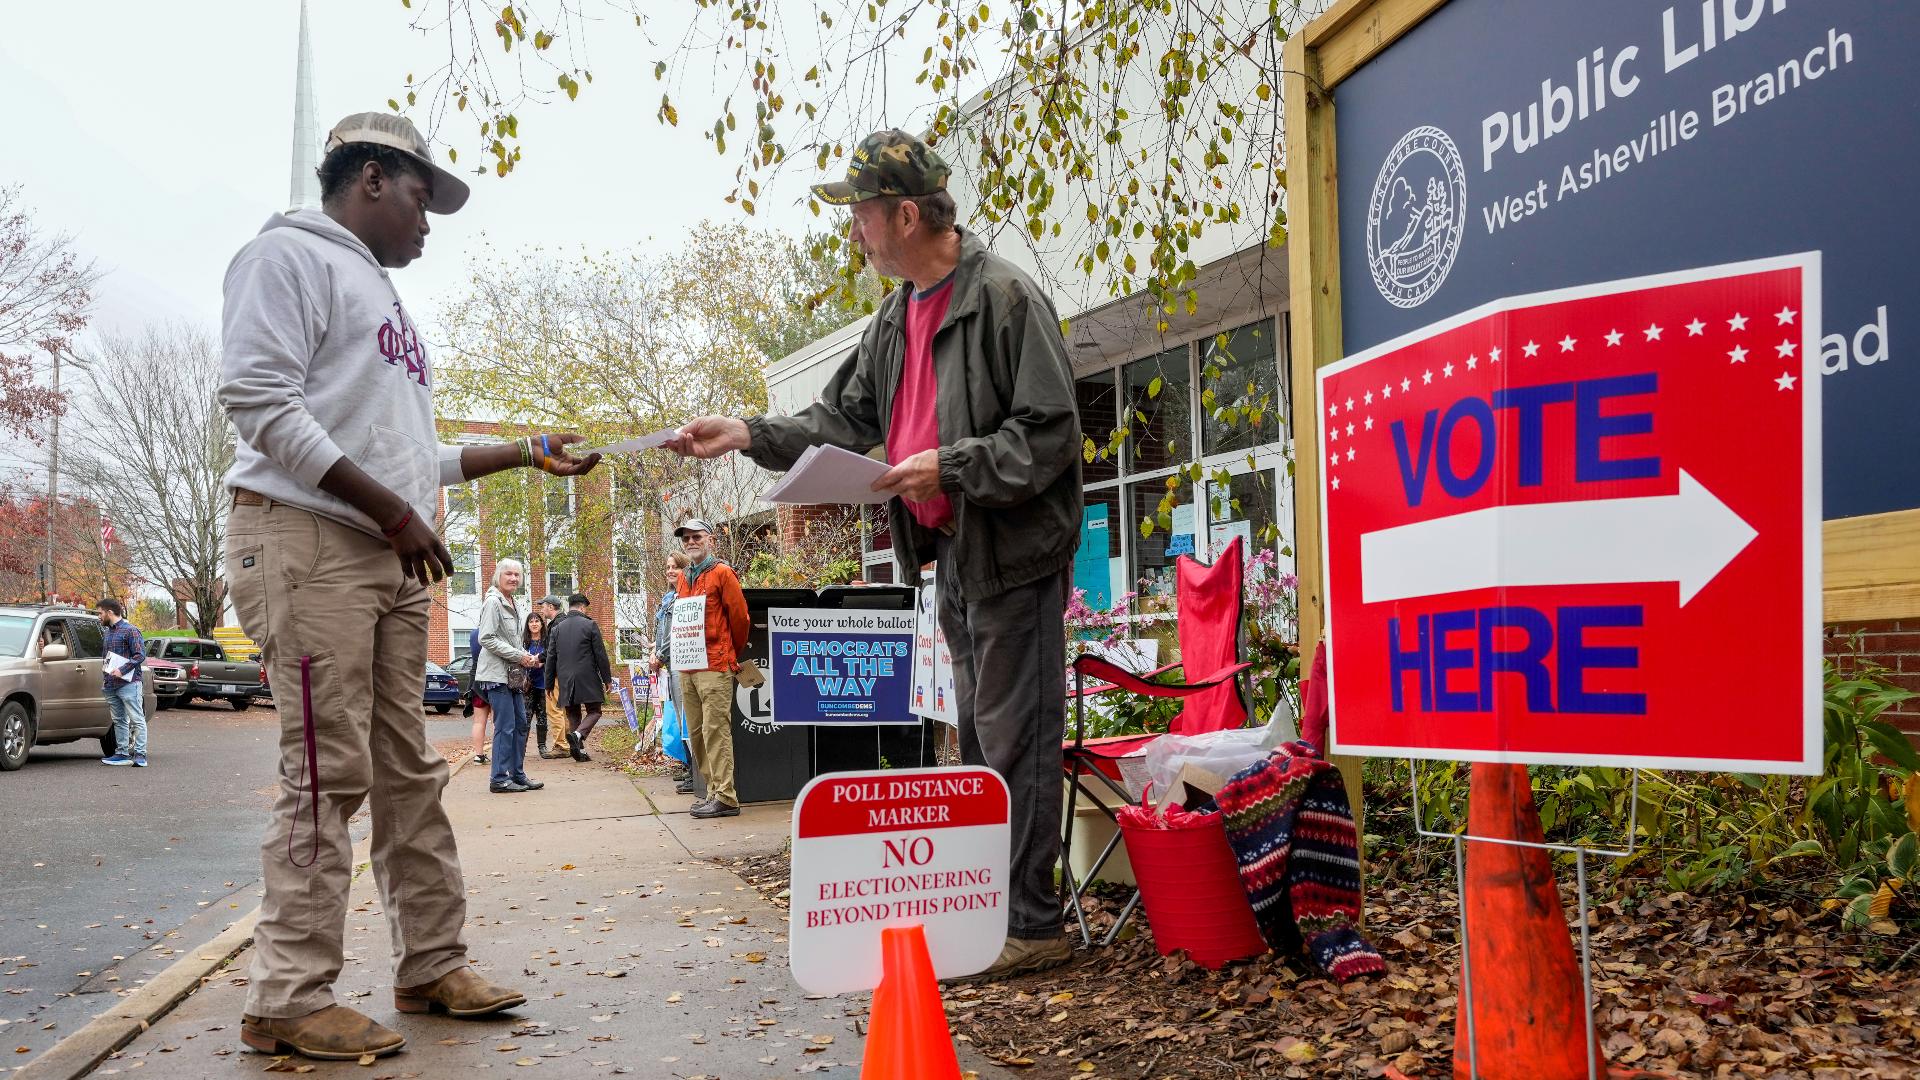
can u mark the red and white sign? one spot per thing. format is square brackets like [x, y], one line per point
[895, 847]
[1583, 527]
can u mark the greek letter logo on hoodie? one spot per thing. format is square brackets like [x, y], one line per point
[401, 344]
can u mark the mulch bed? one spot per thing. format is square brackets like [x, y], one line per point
[1720, 986]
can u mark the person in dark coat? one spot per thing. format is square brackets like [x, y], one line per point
[578, 670]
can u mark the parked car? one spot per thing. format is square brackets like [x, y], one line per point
[443, 689]
[169, 682]
[210, 675]
[50, 681]
[461, 668]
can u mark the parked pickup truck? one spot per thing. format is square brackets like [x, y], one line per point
[210, 675]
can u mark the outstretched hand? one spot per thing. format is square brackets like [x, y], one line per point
[709, 437]
[550, 455]
[916, 479]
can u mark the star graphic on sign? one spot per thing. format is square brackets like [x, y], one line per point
[1785, 348]
[1738, 322]
[1738, 355]
[1531, 349]
[1336, 483]
[1472, 361]
[1653, 332]
[1785, 381]
[1447, 371]
[1349, 453]
[1566, 343]
[1495, 353]
[1349, 404]
[1613, 337]
[1333, 433]
[1387, 390]
[1406, 385]
[1368, 399]
[1333, 410]
[1696, 327]
[1349, 430]
[1369, 423]
[1428, 377]
[1784, 315]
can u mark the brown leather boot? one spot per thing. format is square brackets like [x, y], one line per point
[460, 992]
[335, 1033]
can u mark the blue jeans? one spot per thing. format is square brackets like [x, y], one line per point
[509, 732]
[124, 703]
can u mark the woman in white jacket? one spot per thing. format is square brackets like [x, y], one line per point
[499, 675]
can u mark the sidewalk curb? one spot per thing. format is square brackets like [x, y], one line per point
[81, 1052]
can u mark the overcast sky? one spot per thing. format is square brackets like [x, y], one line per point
[161, 134]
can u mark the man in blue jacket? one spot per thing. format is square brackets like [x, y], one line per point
[122, 687]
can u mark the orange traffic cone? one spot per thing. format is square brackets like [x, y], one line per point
[1530, 1018]
[907, 1036]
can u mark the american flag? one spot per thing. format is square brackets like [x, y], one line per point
[107, 534]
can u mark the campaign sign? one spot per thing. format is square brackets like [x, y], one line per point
[932, 660]
[849, 666]
[896, 847]
[1583, 527]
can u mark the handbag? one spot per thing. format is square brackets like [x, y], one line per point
[517, 679]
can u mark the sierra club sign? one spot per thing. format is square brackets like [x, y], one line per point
[1642, 137]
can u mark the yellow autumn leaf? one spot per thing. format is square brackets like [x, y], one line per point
[1882, 901]
[1913, 802]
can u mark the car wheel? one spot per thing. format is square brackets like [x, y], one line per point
[240, 704]
[162, 704]
[16, 735]
[443, 709]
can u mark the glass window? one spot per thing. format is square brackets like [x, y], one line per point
[1095, 396]
[633, 643]
[462, 640]
[560, 572]
[559, 492]
[464, 581]
[87, 639]
[15, 630]
[1151, 570]
[1240, 404]
[1159, 416]
[1244, 508]
[630, 572]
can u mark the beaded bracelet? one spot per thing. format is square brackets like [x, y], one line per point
[405, 520]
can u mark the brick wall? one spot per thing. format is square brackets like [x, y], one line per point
[1892, 645]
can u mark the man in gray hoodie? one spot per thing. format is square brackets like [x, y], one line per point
[330, 548]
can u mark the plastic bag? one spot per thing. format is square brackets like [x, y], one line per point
[675, 727]
[1221, 753]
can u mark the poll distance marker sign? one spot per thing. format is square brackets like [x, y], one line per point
[896, 847]
[1583, 528]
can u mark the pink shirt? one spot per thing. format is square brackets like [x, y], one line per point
[915, 423]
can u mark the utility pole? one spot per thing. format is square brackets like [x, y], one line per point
[47, 583]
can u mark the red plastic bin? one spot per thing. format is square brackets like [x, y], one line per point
[1190, 888]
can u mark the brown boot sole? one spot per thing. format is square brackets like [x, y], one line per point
[428, 1005]
[268, 1044]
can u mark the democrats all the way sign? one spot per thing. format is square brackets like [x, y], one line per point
[1583, 527]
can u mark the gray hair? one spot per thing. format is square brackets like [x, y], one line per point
[504, 565]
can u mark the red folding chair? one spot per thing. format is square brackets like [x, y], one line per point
[1208, 603]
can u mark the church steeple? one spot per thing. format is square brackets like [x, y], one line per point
[304, 191]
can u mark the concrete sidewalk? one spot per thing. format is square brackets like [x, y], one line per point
[637, 953]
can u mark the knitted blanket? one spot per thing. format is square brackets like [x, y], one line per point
[1292, 834]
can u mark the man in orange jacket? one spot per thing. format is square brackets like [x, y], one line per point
[709, 598]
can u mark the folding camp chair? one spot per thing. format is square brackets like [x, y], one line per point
[1208, 601]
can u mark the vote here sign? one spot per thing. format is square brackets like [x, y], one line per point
[1583, 527]
[895, 847]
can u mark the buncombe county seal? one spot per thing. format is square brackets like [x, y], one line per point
[1417, 217]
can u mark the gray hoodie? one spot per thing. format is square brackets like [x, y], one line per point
[319, 361]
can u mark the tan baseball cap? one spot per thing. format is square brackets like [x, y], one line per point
[390, 129]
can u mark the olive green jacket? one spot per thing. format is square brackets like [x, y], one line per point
[1010, 444]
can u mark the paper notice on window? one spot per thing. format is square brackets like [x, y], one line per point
[118, 666]
[689, 634]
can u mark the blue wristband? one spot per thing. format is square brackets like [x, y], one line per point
[545, 450]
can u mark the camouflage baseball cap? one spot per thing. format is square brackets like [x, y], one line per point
[889, 162]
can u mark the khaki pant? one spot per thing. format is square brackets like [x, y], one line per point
[709, 699]
[557, 721]
[306, 587]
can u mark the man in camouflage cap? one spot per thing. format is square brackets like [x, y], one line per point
[963, 378]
